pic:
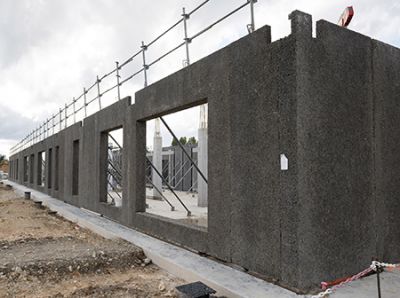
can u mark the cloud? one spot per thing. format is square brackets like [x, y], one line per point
[14, 125]
[51, 49]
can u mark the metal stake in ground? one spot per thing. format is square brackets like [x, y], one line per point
[378, 280]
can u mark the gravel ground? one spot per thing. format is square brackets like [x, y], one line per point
[43, 255]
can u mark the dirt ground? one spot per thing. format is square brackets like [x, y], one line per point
[43, 255]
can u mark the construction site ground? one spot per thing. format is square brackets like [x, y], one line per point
[43, 255]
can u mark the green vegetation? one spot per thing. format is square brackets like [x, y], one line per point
[184, 141]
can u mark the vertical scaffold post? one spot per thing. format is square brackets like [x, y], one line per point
[186, 39]
[145, 66]
[60, 119]
[251, 27]
[73, 107]
[118, 77]
[65, 116]
[47, 128]
[53, 121]
[84, 101]
[98, 92]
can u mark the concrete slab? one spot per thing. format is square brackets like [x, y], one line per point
[161, 208]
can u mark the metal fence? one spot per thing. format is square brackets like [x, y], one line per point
[80, 103]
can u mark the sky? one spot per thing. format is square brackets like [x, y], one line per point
[51, 49]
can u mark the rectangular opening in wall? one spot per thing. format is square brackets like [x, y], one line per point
[75, 168]
[57, 168]
[31, 168]
[112, 167]
[41, 175]
[26, 168]
[50, 169]
[176, 166]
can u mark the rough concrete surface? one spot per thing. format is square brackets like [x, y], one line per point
[329, 103]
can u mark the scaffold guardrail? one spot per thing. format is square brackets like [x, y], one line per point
[59, 121]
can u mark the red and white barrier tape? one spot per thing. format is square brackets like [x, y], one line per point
[373, 267]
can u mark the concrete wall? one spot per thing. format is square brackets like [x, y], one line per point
[346, 87]
[328, 103]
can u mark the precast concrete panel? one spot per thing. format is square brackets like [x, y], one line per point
[328, 104]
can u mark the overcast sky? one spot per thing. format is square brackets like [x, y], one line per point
[51, 49]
